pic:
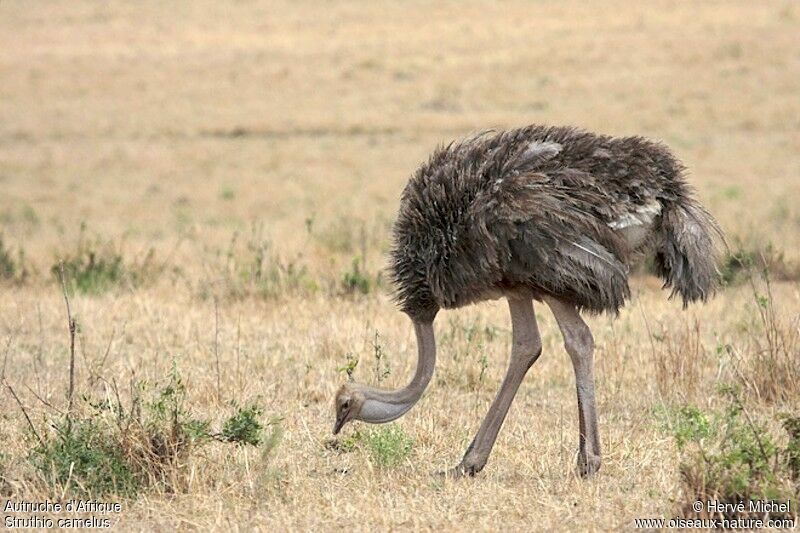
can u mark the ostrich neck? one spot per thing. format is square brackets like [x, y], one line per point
[384, 405]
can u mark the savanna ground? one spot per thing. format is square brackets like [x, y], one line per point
[219, 182]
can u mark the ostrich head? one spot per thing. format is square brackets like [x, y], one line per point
[348, 403]
[373, 405]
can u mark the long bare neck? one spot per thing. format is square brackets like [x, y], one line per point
[384, 405]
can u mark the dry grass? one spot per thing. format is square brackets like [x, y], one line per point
[244, 163]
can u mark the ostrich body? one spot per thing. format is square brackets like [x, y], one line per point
[552, 214]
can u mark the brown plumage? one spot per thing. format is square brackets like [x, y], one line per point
[555, 211]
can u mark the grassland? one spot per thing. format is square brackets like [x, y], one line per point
[219, 182]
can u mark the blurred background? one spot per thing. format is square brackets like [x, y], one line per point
[165, 121]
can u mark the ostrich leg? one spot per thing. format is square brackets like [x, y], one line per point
[526, 348]
[580, 346]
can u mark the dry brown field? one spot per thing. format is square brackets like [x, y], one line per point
[244, 162]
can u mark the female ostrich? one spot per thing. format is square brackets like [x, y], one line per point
[552, 214]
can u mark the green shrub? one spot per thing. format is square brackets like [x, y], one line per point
[244, 426]
[749, 257]
[117, 450]
[728, 457]
[85, 458]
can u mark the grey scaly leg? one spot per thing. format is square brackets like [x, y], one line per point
[580, 346]
[526, 348]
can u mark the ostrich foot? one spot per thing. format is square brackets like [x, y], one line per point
[588, 464]
[461, 471]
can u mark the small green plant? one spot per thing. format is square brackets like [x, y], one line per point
[346, 444]
[354, 280]
[746, 258]
[728, 456]
[736, 264]
[687, 424]
[350, 365]
[388, 446]
[244, 426]
[382, 369]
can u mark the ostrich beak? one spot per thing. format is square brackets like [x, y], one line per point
[340, 420]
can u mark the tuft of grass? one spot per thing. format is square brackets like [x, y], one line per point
[344, 235]
[354, 280]
[681, 361]
[770, 370]
[91, 273]
[468, 342]
[94, 268]
[12, 269]
[8, 266]
[388, 446]
[5, 485]
[256, 270]
[792, 452]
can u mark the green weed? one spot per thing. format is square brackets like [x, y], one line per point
[244, 427]
[388, 446]
[349, 366]
[728, 456]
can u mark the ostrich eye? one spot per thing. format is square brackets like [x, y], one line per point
[346, 404]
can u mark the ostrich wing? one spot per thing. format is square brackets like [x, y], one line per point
[568, 265]
[559, 247]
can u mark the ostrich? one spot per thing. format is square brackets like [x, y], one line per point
[553, 214]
